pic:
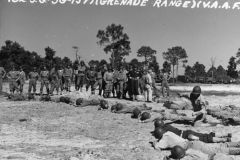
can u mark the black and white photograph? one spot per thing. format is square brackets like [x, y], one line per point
[120, 79]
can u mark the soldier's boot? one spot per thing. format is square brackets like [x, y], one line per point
[80, 89]
[121, 95]
[100, 92]
[48, 91]
[234, 151]
[69, 89]
[61, 92]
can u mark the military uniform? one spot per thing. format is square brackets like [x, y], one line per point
[122, 79]
[21, 80]
[60, 79]
[2, 73]
[99, 82]
[13, 77]
[115, 82]
[81, 77]
[67, 74]
[108, 79]
[91, 77]
[165, 83]
[44, 75]
[33, 76]
[54, 82]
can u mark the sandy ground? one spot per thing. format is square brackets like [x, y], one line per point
[55, 131]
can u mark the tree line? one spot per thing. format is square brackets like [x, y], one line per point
[116, 43]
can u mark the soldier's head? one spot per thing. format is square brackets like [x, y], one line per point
[68, 66]
[150, 70]
[91, 68]
[110, 69]
[136, 113]
[121, 68]
[145, 116]
[13, 68]
[82, 63]
[177, 152]
[196, 92]
[135, 67]
[21, 68]
[44, 68]
[34, 69]
[158, 132]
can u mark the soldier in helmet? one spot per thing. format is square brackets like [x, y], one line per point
[133, 109]
[22, 79]
[13, 77]
[91, 77]
[33, 77]
[177, 152]
[68, 74]
[115, 81]
[108, 78]
[2, 75]
[213, 137]
[167, 140]
[121, 80]
[44, 76]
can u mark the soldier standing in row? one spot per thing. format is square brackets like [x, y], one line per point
[54, 81]
[165, 78]
[108, 79]
[60, 78]
[67, 74]
[99, 81]
[91, 78]
[81, 76]
[22, 79]
[13, 77]
[115, 82]
[121, 80]
[44, 76]
[33, 77]
[2, 75]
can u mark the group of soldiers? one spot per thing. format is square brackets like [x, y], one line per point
[56, 78]
[123, 80]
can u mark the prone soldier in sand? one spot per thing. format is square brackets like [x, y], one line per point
[2, 75]
[22, 79]
[33, 77]
[213, 137]
[167, 140]
[44, 76]
[13, 77]
[135, 110]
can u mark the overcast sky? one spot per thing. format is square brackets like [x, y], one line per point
[203, 33]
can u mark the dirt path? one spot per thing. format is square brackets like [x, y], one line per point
[45, 130]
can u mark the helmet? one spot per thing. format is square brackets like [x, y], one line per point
[196, 90]
[91, 67]
[79, 101]
[104, 104]
[177, 152]
[62, 99]
[158, 132]
[30, 96]
[136, 113]
[145, 115]
[119, 107]
[114, 107]
[67, 100]
[158, 123]
[47, 98]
